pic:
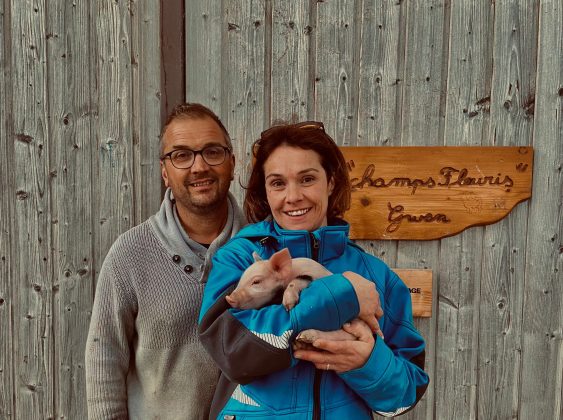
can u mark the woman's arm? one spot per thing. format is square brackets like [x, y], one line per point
[387, 374]
[247, 344]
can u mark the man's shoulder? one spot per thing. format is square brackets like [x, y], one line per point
[137, 239]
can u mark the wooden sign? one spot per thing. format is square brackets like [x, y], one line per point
[419, 283]
[424, 193]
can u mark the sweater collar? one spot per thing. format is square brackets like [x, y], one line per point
[178, 243]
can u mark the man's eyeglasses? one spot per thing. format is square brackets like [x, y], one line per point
[305, 125]
[185, 158]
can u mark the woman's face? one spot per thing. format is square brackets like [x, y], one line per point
[297, 188]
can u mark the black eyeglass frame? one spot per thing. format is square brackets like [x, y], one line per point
[168, 155]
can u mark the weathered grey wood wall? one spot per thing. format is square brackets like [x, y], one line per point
[80, 115]
[423, 72]
[79, 124]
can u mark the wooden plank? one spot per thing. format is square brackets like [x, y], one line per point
[7, 199]
[379, 95]
[432, 192]
[466, 119]
[504, 243]
[145, 25]
[33, 273]
[204, 59]
[421, 125]
[336, 73]
[291, 38]
[243, 107]
[72, 151]
[114, 202]
[420, 284]
[542, 349]
[173, 53]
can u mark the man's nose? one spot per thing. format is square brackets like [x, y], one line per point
[199, 164]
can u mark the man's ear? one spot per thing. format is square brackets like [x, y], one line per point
[232, 166]
[164, 173]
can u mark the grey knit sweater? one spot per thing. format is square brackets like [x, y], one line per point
[143, 356]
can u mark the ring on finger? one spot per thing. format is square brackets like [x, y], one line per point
[327, 366]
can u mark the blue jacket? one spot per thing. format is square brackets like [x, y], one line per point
[261, 379]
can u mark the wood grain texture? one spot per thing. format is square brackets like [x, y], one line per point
[33, 265]
[145, 28]
[7, 233]
[542, 331]
[243, 107]
[292, 34]
[466, 120]
[204, 59]
[378, 93]
[113, 208]
[70, 177]
[336, 71]
[424, 25]
[504, 243]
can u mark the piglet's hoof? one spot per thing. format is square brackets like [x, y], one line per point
[307, 336]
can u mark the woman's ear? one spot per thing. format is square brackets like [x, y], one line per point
[330, 186]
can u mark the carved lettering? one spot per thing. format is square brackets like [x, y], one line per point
[397, 215]
[450, 177]
[415, 290]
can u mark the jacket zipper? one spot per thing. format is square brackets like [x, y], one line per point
[318, 373]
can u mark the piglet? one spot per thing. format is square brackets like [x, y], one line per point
[264, 279]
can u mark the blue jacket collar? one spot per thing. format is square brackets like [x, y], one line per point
[331, 239]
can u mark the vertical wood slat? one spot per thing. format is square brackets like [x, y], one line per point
[33, 274]
[70, 121]
[291, 38]
[113, 191]
[421, 84]
[204, 76]
[542, 332]
[242, 94]
[378, 122]
[173, 55]
[336, 76]
[145, 24]
[466, 119]
[503, 272]
[7, 233]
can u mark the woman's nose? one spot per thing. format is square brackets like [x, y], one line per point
[293, 193]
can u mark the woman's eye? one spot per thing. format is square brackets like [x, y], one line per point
[276, 183]
[308, 179]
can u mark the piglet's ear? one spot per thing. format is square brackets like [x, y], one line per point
[281, 263]
[256, 256]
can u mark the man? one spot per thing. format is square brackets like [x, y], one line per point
[143, 355]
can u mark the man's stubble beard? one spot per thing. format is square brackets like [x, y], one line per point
[208, 204]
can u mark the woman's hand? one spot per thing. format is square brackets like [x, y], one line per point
[341, 356]
[368, 298]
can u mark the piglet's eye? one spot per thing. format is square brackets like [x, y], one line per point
[255, 281]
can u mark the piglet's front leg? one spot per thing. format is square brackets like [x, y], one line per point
[309, 336]
[293, 290]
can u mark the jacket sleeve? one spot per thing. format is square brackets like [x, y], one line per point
[247, 344]
[107, 347]
[393, 380]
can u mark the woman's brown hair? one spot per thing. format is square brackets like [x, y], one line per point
[308, 135]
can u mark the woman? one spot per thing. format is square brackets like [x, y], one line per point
[299, 185]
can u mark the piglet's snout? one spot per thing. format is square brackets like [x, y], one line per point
[232, 300]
